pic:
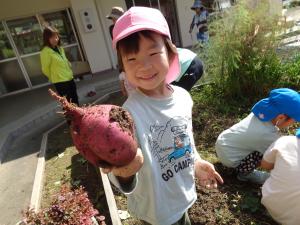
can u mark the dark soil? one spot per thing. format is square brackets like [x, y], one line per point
[122, 117]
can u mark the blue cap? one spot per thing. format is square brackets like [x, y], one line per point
[280, 101]
[197, 4]
[298, 133]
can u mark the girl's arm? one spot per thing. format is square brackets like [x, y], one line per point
[206, 174]
[266, 165]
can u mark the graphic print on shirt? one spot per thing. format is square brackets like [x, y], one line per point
[171, 146]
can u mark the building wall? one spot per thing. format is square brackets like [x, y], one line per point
[185, 16]
[104, 9]
[94, 43]
[19, 8]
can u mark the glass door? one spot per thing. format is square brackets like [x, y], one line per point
[11, 75]
[21, 41]
[27, 36]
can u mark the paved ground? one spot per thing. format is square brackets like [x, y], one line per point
[28, 116]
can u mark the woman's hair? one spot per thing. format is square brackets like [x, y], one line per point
[47, 34]
[130, 45]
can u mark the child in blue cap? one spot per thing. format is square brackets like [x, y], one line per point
[243, 145]
[283, 159]
[200, 21]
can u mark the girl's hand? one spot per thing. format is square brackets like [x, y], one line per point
[130, 169]
[206, 174]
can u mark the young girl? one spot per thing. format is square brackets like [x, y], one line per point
[56, 67]
[281, 192]
[191, 70]
[163, 189]
[243, 145]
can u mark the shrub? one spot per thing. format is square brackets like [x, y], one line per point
[291, 73]
[241, 56]
[68, 207]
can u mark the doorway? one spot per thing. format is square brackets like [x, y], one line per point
[168, 9]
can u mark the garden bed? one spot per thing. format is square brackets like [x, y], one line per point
[233, 202]
[64, 165]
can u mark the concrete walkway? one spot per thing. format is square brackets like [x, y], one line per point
[23, 120]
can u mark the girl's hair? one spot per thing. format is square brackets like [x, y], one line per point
[47, 34]
[130, 45]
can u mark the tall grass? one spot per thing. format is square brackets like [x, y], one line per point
[241, 56]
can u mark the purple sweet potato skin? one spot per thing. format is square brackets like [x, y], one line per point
[102, 139]
[103, 134]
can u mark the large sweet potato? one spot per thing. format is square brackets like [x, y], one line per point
[103, 134]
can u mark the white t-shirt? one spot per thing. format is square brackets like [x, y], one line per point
[281, 191]
[165, 186]
[243, 138]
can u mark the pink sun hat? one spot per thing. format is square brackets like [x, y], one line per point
[143, 18]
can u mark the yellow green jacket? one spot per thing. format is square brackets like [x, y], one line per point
[56, 66]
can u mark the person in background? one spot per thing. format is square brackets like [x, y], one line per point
[161, 190]
[242, 146]
[56, 67]
[200, 21]
[281, 191]
[191, 69]
[116, 13]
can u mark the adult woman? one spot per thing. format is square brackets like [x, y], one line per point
[56, 66]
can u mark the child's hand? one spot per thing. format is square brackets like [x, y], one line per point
[130, 169]
[207, 175]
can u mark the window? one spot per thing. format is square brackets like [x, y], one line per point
[21, 41]
[6, 50]
[61, 22]
[27, 34]
[11, 76]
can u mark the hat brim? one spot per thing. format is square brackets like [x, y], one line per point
[130, 30]
[174, 70]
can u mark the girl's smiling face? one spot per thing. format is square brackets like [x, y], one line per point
[147, 68]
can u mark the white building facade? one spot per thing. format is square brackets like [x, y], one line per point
[84, 32]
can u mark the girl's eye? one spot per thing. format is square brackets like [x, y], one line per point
[130, 59]
[154, 53]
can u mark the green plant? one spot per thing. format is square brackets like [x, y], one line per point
[294, 3]
[291, 73]
[241, 57]
[68, 207]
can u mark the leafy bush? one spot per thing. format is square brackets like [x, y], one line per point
[291, 73]
[294, 3]
[68, 207]
[241, 56]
